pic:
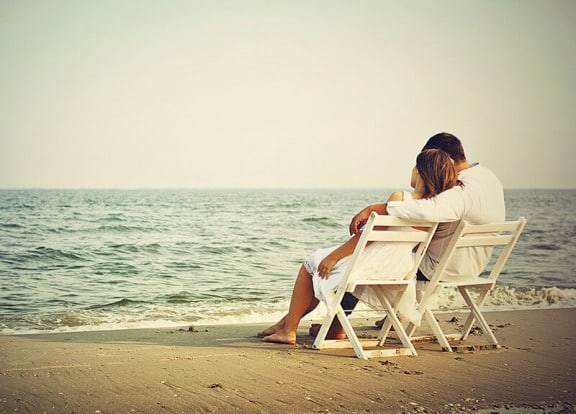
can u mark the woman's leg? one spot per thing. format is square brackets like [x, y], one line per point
[280, 324]
[302, 302]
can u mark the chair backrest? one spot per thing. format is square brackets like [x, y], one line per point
[468, 235]
[392, 230]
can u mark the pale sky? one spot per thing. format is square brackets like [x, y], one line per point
[282, 94]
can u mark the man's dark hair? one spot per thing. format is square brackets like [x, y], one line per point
[447, 143]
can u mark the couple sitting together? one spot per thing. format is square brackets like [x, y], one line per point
[447, 189]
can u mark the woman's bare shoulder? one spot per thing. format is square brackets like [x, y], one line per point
[396, 196]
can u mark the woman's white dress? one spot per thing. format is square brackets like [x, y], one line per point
[380, 260]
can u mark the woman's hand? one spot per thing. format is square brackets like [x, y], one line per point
[326, 265]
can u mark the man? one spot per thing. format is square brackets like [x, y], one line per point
[479, 200]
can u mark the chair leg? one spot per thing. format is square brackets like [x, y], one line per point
[384, 330]
[322, 332]
[440, 337]
[392, 320]
[335, 310]
[351, 335]
[476, 314]
[423, 301]
[471, 318]
[410, 328]
[321, 337]
[387, 325]
[402, 335]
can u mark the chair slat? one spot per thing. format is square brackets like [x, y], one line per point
[506, 226]
[381, 220]
[487, 240]
[398, 236]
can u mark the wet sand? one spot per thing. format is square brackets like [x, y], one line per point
[227, 369]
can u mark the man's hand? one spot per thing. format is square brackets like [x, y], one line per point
[358, 221]
[361, 218]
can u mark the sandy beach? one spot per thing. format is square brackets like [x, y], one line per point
[222, 369]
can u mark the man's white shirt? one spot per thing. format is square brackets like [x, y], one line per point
[479, 200]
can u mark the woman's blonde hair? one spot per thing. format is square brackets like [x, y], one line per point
[436, 169]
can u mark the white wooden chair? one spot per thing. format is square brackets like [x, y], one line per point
[391, 233]
[503, 234]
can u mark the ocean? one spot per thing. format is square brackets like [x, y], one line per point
[77, 260]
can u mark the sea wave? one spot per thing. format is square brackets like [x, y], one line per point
[107, 259]
[322, 221]
[180, 309]
[509, 298]
[120, 228]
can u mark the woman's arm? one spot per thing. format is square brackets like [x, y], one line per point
[347, 248]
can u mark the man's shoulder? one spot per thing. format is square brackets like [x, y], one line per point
[454, 192]
[476, 171]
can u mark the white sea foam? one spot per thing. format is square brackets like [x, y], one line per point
[507, 298]
[502, 298]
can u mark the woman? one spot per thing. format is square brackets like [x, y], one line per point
[434, 172]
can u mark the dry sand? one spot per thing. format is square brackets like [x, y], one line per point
[225, 369]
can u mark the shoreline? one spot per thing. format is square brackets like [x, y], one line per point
[257, 320]
[225, 368]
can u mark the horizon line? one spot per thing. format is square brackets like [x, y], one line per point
[238, 188]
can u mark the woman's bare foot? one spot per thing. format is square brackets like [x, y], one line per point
[268, 331]
[332, 333]
[281, 337]
[272, 329]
